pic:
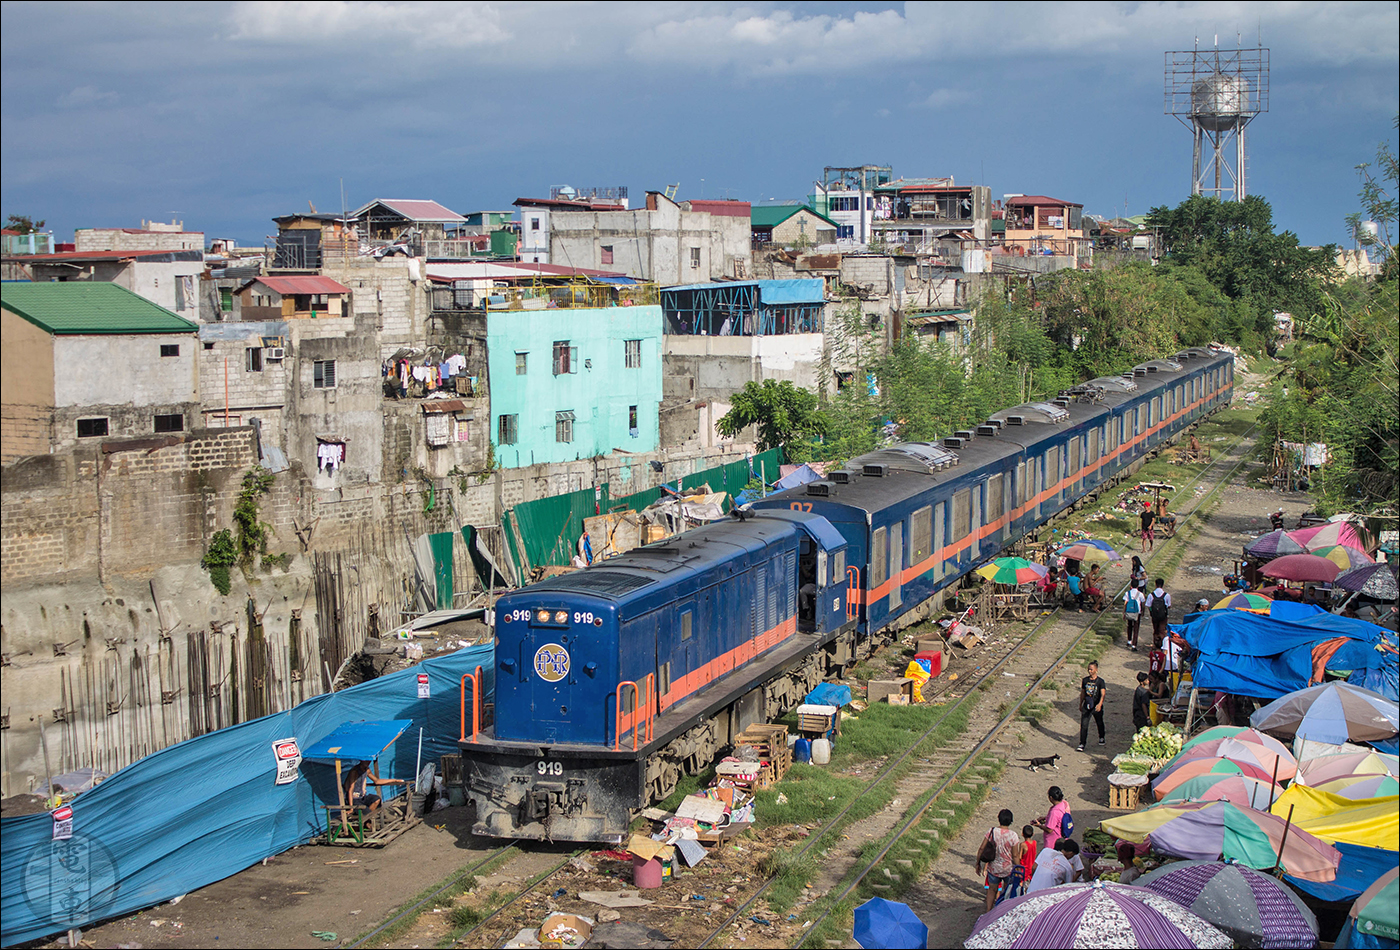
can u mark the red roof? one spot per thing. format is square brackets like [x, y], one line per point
[416, 209]
[732, 209]
[303, 284]
[1040, 200]
[97, 255]
[566, 204]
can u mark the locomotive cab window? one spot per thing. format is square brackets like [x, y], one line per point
[687, 617]
[838, 567]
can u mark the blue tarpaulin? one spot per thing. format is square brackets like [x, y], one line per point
[196, 812]
[1251, 655]
[801, 475]
[1360, 868]
[829, 694]
[777, 292]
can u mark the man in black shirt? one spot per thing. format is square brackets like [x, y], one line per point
[1142, 704]
[1091, 694]
[1147, 518]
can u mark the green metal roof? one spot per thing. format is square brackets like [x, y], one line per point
[770, 216]
[89, 306]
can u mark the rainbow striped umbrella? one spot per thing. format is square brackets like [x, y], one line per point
[1254, 603]
[1235, 789]
[1325, 768]
[1362, 786]
[1090, 551]
[1012, 570]
[1345, 556]
[1183, 771]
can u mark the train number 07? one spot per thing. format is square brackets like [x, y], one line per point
[801, 506]
[550, 768]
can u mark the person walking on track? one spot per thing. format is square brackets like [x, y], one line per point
[1092, 690]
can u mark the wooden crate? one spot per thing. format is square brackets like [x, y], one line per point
[771, 744]
[1124, 797]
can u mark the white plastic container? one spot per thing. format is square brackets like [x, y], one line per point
[821, 751]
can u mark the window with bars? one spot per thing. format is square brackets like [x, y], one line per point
[253, 359]
[521, 363]
[565, 358]
[508, 429]
[92, 428]
[632, 353]
[995, 497]
[323, 374]
[695, 258]
[605, 255]
[170, 349]
[174, 422]
[564, 426]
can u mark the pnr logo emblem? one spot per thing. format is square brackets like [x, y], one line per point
[552, 662]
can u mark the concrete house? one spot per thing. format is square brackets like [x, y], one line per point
[292, 296]
[571, 384]
[918, 214]
[168, 279]
[1037, 225]
[86, 360]
[791, 225]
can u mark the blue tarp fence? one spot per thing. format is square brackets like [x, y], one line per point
[196, 812]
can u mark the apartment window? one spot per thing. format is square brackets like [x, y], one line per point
[564, 426]
[170, 349]
[695, 258]
[521, 359]
[323, 374]
[252, 359]
[226, 299]
[632, 351]
[534, 224]
[508, 429]
[91, 428]
[565, 358]
[605, 255]
[632, 421]
[175, 422]
[845, 232]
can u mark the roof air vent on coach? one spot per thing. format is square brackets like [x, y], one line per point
[875, 470]
[987, 430]
[842, 477]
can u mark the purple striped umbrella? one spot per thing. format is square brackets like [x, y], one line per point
[1274, 544]
[1093, 914]
[1253, 908]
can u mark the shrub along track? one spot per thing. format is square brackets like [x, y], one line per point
[921, 774]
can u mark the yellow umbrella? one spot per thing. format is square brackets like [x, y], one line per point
[1370, 822]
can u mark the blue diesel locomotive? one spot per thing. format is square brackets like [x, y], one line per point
[612, 682]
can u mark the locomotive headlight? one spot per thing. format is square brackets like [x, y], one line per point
[542, 616]
[561, 616]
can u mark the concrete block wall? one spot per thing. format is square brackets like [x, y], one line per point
[27, 431]
[134, 239]
[393, 291]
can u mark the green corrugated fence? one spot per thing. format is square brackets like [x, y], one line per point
[550, 527]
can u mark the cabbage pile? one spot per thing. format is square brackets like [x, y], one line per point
[1157, 742]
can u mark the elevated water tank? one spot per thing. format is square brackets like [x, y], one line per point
[1218, 101]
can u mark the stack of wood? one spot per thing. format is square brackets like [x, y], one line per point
[770, 742]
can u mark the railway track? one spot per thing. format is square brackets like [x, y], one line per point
[927, 789]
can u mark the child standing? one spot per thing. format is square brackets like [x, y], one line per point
[1022, 874]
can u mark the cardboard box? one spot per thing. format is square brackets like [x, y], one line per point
[897, 699]
[877, 690]
[567, 930]
[925, 644]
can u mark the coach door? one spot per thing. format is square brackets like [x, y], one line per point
[896, 564]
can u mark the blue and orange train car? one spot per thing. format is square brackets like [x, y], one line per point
[612, 682]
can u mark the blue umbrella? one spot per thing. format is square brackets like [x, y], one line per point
[888, 924]
[1333, 712]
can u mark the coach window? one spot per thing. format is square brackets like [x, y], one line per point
[996, 498]
[974, 517]
[1052, 472]
[940, 534]
[962, 515]
[1075, 460]
[920, 534]
[687, 620]
[879, 558]
[1093, 446]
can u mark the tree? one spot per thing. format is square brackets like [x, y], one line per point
[22, 224]
[784, 414]
[1379, 207]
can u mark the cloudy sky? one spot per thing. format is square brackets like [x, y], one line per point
[226, 114]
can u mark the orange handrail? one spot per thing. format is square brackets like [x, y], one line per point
[852, 590]
[642, 708]
[476, 704]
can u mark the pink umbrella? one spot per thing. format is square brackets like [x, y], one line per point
[1235, 789]
[1325, 768]
[1334, 532]
[1301, 567]
[1183, 771]
[1243, 751]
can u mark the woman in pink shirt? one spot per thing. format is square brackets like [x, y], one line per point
[1054, 822]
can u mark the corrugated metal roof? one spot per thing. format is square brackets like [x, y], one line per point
[89, 307]
[508, 270]
[303, 284]
[416, 209]
[731, 209]
[1040, 200]
[76, 256]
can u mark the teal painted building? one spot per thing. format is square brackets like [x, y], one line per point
[570, 384]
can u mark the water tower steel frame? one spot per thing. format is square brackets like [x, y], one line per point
[1216, 93]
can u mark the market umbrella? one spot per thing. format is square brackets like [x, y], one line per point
[1183, 770]
[1252, 908]
[1345, 556]
[1375, 915]
[1370, 822]
[1361, 786]
[1301, 567]
[1325, 768]
[1093, 914]
[1373, 580]
[1272, 757]
[1206, 831]
[1090, 552]
[1242, 733]
[1276, 543]
[882, 923]
[1333, 712]
[1013, 570]
[1254, 603]
[1334, 532]
[1235, 789]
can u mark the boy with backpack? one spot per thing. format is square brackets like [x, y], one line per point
[1134, 603]
[1157, 607]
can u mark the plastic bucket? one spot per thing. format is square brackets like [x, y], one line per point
[646, 874]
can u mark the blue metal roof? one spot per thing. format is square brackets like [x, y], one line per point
[770, 292]
[358, 741]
